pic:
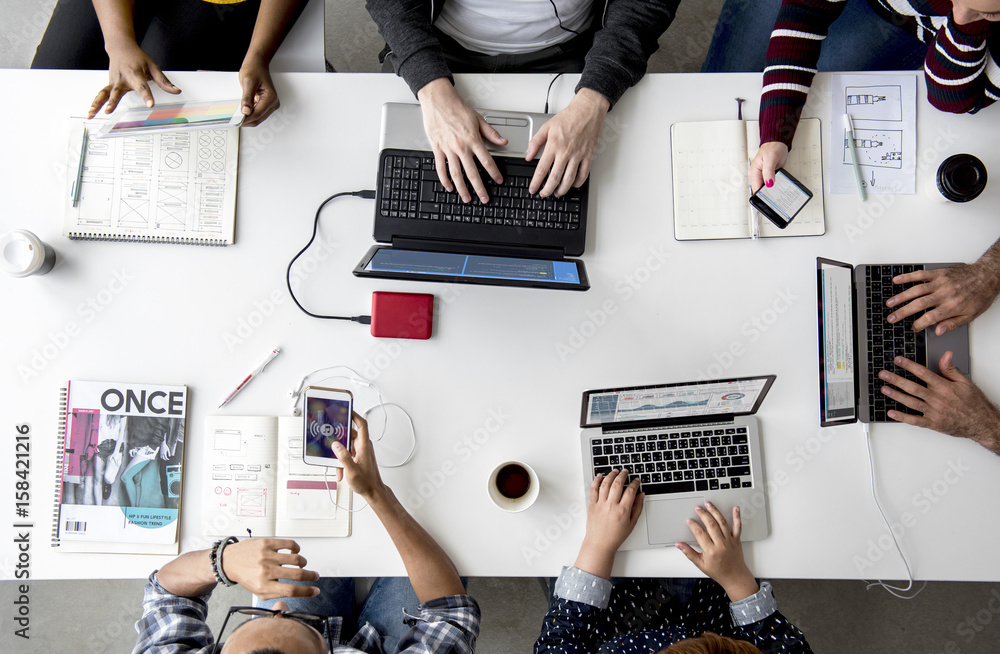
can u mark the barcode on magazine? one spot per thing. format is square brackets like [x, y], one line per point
[75, 526]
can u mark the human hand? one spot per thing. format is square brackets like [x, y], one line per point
[612, 513]
[570, 138]
[456, 133]
[953, 296]
[260, 99]
[951, 404]
[129, 69]
[360, 468]
[770, 157]
[258, 563]
[721, 556]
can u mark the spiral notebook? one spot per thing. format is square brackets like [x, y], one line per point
[119, 468]
[175, 187]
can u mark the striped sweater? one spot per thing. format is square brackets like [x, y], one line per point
[962, 75]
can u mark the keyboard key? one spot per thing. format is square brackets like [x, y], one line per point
[739, 471]
[665, 488]
[701, 485]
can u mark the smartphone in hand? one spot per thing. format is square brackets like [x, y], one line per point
[783, 201]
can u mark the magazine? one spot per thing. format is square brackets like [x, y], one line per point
[120, 467]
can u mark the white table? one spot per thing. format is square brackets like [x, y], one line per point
[658, 311]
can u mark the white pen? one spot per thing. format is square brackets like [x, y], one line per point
[256, 371]
[849, 137]
[754, 215]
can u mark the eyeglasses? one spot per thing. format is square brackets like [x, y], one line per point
[317, 622]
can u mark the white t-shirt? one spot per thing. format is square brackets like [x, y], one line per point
[512, 26]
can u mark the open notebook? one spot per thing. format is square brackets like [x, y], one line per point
[711, 191]
[176, 187]
[255, 479]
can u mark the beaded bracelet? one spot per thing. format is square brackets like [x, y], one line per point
[215, 556]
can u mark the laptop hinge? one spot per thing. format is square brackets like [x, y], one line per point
[487, 249]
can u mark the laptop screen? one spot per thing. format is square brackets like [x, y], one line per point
[837, 378]
[672, 401]
[401, 263]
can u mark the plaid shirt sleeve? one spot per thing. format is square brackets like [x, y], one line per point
[446, 625]
[172, 624]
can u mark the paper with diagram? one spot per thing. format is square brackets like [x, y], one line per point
[255, 479]
[176, 187]
[884, 111]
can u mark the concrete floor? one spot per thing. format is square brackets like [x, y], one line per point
[837, 616]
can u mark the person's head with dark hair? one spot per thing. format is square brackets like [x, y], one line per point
[710, 643]
[274, 635]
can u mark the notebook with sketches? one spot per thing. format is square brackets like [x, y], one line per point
[176, 187]
[711, 189]
[254, 478]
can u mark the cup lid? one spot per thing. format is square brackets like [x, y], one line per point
[21, 253]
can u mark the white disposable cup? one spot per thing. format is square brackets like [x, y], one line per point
[23, 254]
[513, 505]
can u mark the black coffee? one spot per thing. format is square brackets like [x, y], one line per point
[513, 481]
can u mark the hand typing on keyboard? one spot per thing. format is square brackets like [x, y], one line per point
[570, 139]
[950, 404]
[612, 512]
[456, 133]
[952, 296]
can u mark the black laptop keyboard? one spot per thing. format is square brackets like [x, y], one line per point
[409, 188]
[680, 461]
[886, 340]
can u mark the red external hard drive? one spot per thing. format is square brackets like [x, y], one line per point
[402, 315]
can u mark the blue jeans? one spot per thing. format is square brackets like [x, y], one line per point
[859, 39]
[383, 607]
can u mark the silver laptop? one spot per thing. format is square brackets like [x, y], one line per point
[856, 342]
[688, 443]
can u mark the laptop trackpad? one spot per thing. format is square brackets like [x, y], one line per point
[666, 521]
[517, 131]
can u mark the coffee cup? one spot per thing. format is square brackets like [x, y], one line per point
[513, 486]
[23, 254]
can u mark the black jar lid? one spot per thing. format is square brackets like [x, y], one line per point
[961, 177]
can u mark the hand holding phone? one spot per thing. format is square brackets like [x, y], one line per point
[783, 201]
[328, 415]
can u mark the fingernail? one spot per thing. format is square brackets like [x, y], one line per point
[891, 303]
[885, 390]
[708, 504]
[737, 510]
[698, 508]
[769, 183]
[884, 375]
[898, 360]
[891, 318]
[149, 103]
[892, 414]
[466, 198]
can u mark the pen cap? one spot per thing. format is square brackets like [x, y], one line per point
[961, 177]
[23, 254]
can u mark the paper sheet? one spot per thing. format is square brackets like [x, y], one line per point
[884, 111]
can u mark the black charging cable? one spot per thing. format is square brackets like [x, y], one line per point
[549, 90]
[364, 320]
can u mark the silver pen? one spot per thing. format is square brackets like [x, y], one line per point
[75, 193]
